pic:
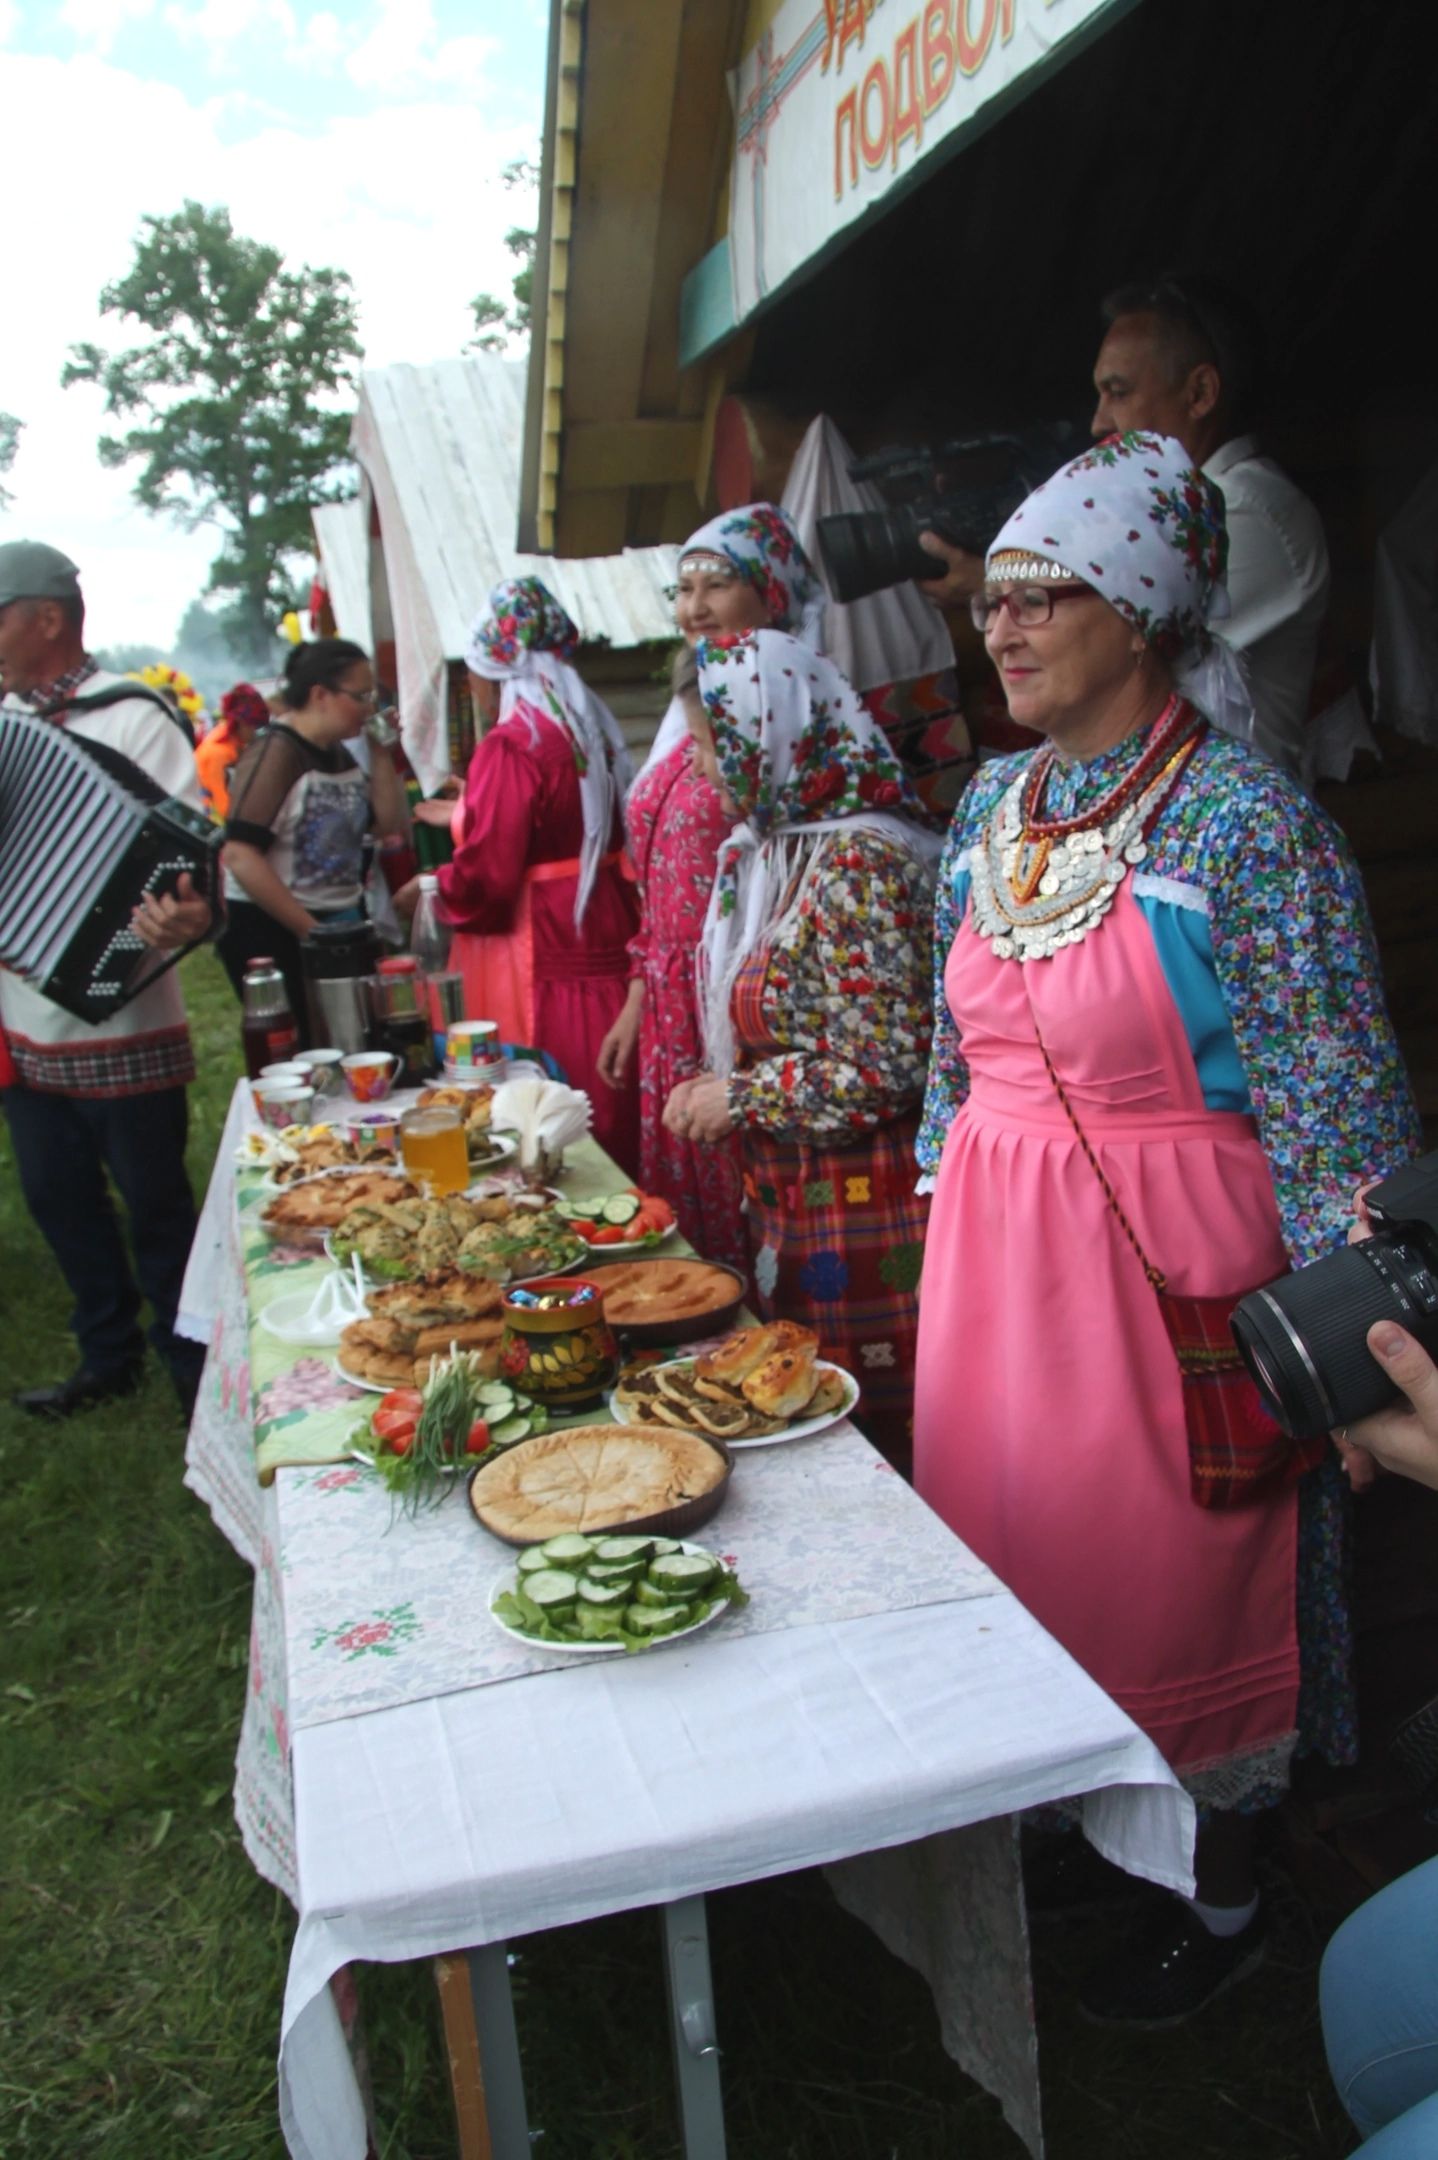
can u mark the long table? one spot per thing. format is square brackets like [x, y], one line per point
[890, 1739]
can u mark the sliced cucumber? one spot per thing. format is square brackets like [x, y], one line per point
[620, 1571]
[494, 1391]
[568, 1550]
[508, 1430]
[532, 1560]
[625, 1548]
[604, 1595]
[553, 1590]
[595, 1623]
[656, 1619]
[666, 1545]
[683, 1574]
[621, 1209]
[651, 1594]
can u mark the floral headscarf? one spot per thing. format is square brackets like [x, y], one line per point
[1135, 519]
[243, 707]
[524, 640]
[802, 758]
[763, 544]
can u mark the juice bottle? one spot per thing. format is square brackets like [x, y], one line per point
[268, 1028]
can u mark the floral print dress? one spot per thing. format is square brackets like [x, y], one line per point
[676, 822]
[832, 1021]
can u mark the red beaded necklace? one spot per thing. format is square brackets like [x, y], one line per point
[1177, 719]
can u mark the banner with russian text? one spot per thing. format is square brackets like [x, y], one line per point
[841, 99]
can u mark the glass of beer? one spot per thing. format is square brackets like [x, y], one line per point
[432, 1143]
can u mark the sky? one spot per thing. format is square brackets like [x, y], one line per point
[368, 137]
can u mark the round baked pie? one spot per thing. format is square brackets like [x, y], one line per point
[644, 1293]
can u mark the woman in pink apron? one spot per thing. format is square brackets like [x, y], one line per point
[538, 891]
[1161, 1065]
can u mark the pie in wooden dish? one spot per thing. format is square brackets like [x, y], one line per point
[599, 1477]
[676, 1296]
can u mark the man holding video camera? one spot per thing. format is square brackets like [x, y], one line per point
[1179, 358]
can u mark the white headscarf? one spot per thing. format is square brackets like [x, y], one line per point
[760, 543]
[524, 640]
[803, 759]
[1137, 520]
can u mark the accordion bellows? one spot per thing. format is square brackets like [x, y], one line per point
[84, 835]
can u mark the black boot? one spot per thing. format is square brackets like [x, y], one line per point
[82, 1391]
[1173, 1970]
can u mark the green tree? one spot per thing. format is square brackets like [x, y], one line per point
[9, 443]
[497, 321]
[237, 398]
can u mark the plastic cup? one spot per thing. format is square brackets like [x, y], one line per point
[473, 1043]
[432, 1143]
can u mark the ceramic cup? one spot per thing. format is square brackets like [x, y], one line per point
[288, 1072]
[473, 1044]
[370, 1074]
[325, 1071]
[284, 1104]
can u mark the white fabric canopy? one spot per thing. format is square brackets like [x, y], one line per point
[889, 636]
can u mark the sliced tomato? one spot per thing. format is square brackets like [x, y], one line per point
[392, 1426]
[584, 1229]
[402, 1398]
[608, 1234]
[478, 1439]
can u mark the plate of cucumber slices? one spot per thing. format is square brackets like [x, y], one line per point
[622, 1222]
[596, 1595]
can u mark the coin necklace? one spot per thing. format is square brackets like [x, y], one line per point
[1040, 884]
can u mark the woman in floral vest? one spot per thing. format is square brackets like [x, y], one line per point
[814, 1003]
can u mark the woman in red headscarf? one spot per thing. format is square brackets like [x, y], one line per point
[243, 712]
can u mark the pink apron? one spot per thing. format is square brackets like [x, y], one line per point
[1048, 1422]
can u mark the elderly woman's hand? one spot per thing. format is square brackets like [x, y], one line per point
[1404, 1439]
[699, 1110]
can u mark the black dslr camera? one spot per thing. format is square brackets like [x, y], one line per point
[1304, 1337]
[962, 490]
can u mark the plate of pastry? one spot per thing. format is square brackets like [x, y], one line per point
[757, 1388]
[406, 1324]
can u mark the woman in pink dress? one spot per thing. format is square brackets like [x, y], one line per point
[744, 570]
[538, 893]
[1161, 1065]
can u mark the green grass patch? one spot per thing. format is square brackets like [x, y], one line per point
[142, 1963]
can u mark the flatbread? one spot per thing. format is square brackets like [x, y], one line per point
[593, 1478]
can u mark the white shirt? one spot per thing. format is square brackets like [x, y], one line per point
[158, 745]
[1278, 587]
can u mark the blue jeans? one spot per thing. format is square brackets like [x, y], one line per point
[1378, 1995]
[64, 1145]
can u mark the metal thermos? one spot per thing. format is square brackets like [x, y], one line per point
[337, 959]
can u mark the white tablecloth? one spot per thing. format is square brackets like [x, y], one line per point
[719, 1761]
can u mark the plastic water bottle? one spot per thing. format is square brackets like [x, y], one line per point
[429, 933]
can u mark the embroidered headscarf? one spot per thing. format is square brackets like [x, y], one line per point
[1135, 519]
[803, 760]
[760, 543]
[524, 640]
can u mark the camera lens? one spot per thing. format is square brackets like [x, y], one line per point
[866, 550]
[1304, 1337]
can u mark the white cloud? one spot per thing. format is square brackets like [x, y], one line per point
[9, 20]
[404, 52]
[407, 207]
[217, 24]
[97, 23]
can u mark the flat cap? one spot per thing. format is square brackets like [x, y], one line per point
[29, 570]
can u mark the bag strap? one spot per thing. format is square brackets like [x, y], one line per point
[1157, 1280]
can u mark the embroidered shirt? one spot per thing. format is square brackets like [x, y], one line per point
[1288, 949]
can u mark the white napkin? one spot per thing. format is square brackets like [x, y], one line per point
[545, 1116]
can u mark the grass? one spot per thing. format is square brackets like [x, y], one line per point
[142, 1963]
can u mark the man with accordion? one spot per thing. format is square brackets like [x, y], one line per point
[108, 873]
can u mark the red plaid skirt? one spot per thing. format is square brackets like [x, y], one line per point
[837, 1238]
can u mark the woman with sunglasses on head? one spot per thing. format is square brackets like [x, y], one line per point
[300, 807]
[1162, 1063]
[744, 570]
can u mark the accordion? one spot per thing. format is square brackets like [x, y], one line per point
[84, 835]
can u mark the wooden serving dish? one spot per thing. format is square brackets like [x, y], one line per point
[601, 1478]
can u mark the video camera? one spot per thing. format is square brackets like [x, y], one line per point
[963, 490]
